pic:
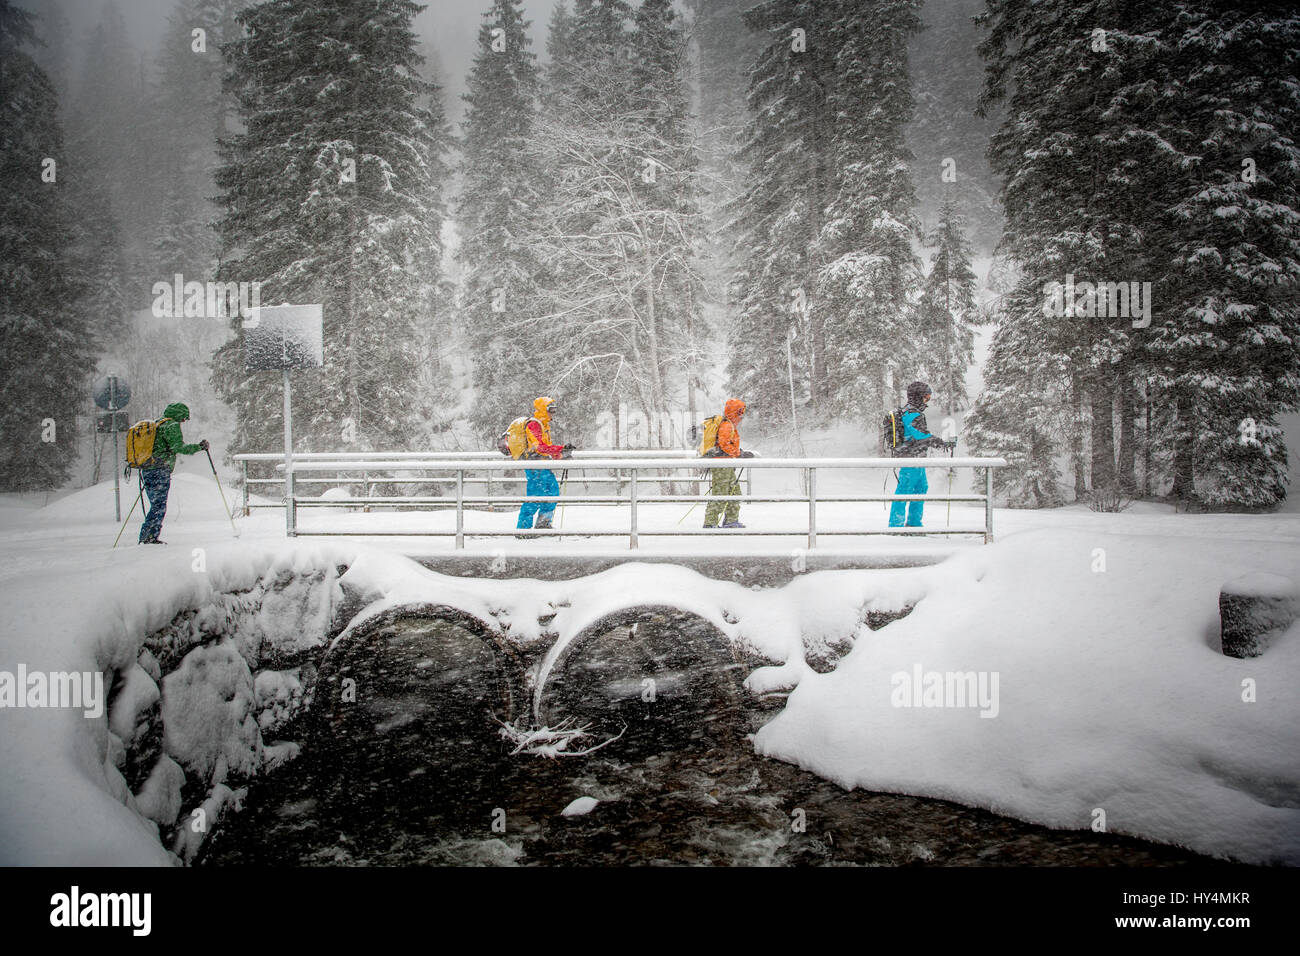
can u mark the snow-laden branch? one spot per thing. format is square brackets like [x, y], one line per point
[551, 741]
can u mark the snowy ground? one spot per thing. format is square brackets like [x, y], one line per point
[1112, 696]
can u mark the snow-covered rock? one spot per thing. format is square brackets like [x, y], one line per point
[1255, 609]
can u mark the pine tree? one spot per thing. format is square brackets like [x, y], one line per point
[560, 51]
[946, 135]
[669, 193]
[946, 311]
[1227, 348]
[494, 214]
[869, 274]
[45, 345]
[600, 45]
[725, 49]
[1071, 152]
[828, 216]
[1023, 413]
[107, 114]
[327, 90]
[105, 156]
[1122, 156]
[54, 55]
[189, 114]
[788, 153]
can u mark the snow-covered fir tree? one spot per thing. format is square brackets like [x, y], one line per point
[723, 51]
[494, 214]
[788, 155]
[946, 136]
[572, 330]
[869, 274]
[45, 340]
[1025, 410]
[669, 191]
[105, 155]
[559, 50]
[828, 217]
[189, 113]
[332, 194]
[1113, 177]
[946, 312]
[1225, 350]
[1066, 152]
[54, 52]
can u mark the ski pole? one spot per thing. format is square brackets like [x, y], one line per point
[564, 483]
[948, 521]
[704, 473]
[128, 515]
[223, 494]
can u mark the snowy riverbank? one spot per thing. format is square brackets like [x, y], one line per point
[1112, 697]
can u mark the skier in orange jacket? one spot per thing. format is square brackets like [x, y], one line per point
[726, 481]
[541, 481]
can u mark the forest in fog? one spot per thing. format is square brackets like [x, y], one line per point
[1076, 221]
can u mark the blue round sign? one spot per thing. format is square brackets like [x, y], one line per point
[112, 392]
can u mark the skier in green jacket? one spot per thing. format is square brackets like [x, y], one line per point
[156, 475]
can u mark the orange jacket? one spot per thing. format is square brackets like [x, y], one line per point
[728, 432]
[539, 432]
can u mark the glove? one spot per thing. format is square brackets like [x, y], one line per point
[204, 444]
[567, 452]
[746, 454]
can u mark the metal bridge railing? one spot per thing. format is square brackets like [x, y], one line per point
[373, 470]
[630, 474]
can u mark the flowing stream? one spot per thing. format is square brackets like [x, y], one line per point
[415, 771]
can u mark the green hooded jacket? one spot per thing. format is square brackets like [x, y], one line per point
[168, 442]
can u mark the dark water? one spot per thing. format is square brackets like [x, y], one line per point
[415, 772]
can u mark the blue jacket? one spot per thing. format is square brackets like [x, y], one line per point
[916, 435]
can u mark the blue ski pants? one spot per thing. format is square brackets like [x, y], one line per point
[539, 482]
[911, 481]
[157, 485]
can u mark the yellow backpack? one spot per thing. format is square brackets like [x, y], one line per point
[140, 440]
[709, 440]
[514, 440]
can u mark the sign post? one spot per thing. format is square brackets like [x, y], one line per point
[285, 337]
[113, 393]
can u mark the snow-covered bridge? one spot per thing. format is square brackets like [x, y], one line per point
[468, 498]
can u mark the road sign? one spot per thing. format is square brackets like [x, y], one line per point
[112, 392]
[284, 337]
[105, 422]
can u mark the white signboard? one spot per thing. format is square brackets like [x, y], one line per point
[284, 337]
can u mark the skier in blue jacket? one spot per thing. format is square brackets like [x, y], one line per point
[916, 439]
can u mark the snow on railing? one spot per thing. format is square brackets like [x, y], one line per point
[627, 471]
